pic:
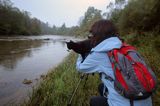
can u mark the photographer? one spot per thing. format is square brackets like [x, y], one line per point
[104, 38]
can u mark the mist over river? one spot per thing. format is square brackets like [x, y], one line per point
[28, 58]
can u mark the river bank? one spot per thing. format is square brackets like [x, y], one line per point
[59, 84]
[57, 87]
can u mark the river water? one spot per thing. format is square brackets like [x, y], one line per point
[28, 58]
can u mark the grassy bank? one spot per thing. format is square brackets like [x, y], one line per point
[59, 84]
[57, 87]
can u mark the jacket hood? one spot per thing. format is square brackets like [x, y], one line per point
[107, 45]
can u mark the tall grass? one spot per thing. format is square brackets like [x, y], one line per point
[59, 84]
[57, 87]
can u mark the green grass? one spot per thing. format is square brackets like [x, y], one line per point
[57, 87]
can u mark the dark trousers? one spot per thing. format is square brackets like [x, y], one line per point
[99, 100]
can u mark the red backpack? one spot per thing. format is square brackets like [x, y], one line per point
[133, 78]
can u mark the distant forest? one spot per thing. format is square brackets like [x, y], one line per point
[13, 21]
[129, 16]
[16, 22]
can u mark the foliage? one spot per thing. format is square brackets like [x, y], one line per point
[16, 22]
[135, 15]
[91, 16]
[63, 30]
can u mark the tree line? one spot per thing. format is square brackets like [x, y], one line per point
[16, 22]
[135, 15]
[13, 21]
[128, 15]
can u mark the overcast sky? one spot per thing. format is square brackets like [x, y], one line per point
[58, 12]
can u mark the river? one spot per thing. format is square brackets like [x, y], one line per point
[27, 58]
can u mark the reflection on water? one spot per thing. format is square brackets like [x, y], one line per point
[26, 58]
[12, 52]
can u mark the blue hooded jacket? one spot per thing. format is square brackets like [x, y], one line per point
[98, 61]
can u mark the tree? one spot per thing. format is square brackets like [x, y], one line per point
[91, 16]
[140, 15]
[135, 15]
[16, 22]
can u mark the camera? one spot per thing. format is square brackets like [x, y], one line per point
[81, 47]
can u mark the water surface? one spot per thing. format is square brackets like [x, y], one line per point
[27, 58]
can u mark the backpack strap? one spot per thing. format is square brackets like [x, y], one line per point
[112, 60]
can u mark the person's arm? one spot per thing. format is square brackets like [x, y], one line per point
[91, 64]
